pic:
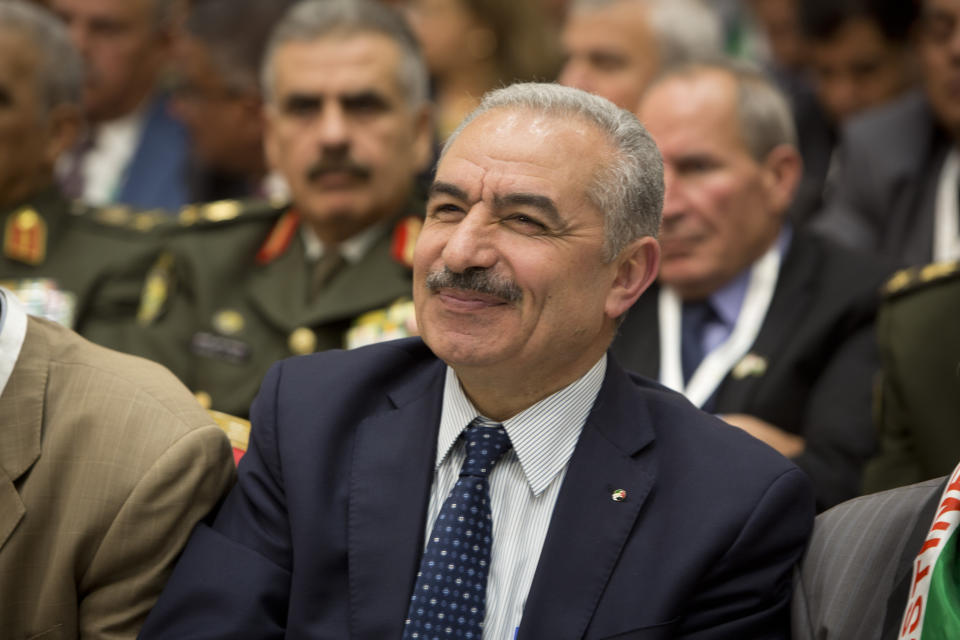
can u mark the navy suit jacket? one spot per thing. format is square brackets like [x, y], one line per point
[322, 536]
[818, 340]
[156, 177]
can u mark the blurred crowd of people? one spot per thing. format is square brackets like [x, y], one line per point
[216, 185]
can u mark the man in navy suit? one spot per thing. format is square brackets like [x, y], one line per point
[618, 511]
[134, 151]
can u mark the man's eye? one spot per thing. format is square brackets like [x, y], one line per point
[605, 62]
[302, 107]
[365, 105]
[526, 222]
[695, 165]
[444, 211]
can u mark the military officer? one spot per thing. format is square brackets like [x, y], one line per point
[70, 263]
[347, 126]
[917, 406]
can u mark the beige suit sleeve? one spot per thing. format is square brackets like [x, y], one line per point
[141, 545]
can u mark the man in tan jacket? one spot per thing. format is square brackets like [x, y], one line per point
[106, 464]
[106, 461]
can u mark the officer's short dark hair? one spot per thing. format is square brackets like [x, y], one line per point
[315, 19]
[822, 20]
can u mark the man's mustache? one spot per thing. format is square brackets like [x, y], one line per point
[331, 165]
[475, 279]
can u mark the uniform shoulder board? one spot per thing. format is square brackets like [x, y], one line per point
[123, 217]
[405, 235]
[914, 279]
[224, 212]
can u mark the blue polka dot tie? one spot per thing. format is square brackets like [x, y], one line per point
[449, 599]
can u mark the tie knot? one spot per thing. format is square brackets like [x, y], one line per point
[486, 442]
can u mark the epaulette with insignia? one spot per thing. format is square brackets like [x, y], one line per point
[222, 211]
[25, 237]
[120, 216]
[917, 278]
[404, 240]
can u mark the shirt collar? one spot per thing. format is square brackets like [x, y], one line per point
[543, 435]
[352, 249]
[727, 300]
[13, 330]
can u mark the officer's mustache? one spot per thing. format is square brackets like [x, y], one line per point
[338, 165]
[474, 279]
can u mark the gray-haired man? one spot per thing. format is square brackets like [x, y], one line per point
[615, 48]
[365, 502]
[771, 328]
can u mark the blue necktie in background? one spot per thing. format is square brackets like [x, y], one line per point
[695, 318]
[449, 599]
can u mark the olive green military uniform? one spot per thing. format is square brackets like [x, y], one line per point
[231, 297]
[78, 265]
[918, 398]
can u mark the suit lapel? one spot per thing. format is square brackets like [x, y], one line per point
[390, 484]
[21, 405]
[588, 528]
[897, 602]
[794, 290]
[909, 230]
[154, 176]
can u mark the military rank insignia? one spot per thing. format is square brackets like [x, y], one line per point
[396, 321]
[279, 238]
[25, 237]
[42, 297]
[156, 288]
[404, 240]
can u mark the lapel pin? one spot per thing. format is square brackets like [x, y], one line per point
[619, 495]
[750, 365]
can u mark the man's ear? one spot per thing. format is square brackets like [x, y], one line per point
[636, 269]
[63, 127]
[782, 169]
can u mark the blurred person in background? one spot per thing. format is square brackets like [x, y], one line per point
[917, 408]
[246, 284]
[217, 58]
[473, 46]
[72, 263]
[217, 95]
[860, 56]
[106, 461]
[859, 52]
[615, 48]
[898, 167]
[132, 151]
[767, 326]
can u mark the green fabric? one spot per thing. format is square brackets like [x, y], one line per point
[941, 619]
[102, 265]
[214, 271]
[917, 409]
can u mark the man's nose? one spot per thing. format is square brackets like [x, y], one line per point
[472, 242]
[333, 127]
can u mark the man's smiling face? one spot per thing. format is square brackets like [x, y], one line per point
[509, 273]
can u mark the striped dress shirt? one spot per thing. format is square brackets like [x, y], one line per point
[523, 485]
